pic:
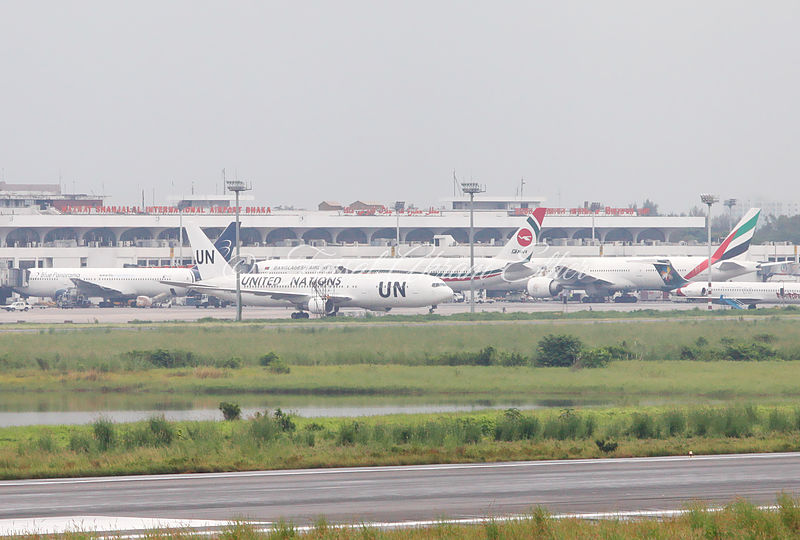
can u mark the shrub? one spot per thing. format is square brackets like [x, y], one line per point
[605, 446]
[487, 356]
[268, 359]
[595, 358]
[165, 358]
[263, 428]
[568, 425]
[642, 426]
[80, 442]
[674, 423]
[104, 434]
[45, 442]
[688, 352]
[513, 359]
[748, 351]
[284, 420]
[514, 426]
[789, 512]
[279, 367]
[558, 350]
[765, 338]
[348, 433]
[230, 411]
[162, 431]
[234, 362]
[700, 422]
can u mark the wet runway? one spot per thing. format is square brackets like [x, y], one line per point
[415, 492]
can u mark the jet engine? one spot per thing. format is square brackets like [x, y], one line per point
[321, 306]
[543, 287]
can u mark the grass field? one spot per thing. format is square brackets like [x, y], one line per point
[768, 381]
[106, 348]
[276, 440]
[380, 360]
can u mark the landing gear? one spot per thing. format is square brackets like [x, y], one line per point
[299, 315]
[430, 310]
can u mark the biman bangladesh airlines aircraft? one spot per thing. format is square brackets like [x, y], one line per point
[603, 276]
[509, 266]
[322, 294]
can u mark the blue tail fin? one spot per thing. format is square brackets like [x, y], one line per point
[671, 277]
[226, 241]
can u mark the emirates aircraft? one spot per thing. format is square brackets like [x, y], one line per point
[509, 266]
[743, 293]
[322, 294]
[603, 276]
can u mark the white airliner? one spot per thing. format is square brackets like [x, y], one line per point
[748, 293]
[603, 276]
[115, 283]
[321, 294]
[509, 266]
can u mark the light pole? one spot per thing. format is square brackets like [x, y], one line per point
[399, 206]
[472, 188]
[237, 186]
[709, 199]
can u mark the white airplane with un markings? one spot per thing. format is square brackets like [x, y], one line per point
[321, 294]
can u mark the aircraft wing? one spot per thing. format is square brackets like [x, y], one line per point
[730, 265]
[575, 277]
[90, 288]
[297, 298]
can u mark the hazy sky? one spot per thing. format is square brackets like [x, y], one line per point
[607, 101]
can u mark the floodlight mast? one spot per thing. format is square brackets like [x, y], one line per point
[708, 199]
[472, 188]
[237, 186]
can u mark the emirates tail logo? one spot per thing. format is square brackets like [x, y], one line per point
[524, 237]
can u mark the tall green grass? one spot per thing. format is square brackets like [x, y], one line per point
[278, 440]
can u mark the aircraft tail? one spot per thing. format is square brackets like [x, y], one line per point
[735, 245]
[210, 262]
[520, 246]
[738, 241]
[672, 278]
[226, 241]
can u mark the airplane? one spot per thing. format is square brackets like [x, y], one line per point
[318, 293]
[604, 276]
[143, 284]
[743, 293]
[509, 266]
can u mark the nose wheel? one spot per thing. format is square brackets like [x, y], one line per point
[430, 310]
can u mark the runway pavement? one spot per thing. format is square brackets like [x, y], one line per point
[414, 492]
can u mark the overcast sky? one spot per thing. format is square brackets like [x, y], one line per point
[599, 101]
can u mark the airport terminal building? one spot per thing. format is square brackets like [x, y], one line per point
[41, 227]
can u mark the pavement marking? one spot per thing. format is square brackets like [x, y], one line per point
[405, 468]
[138, 525]
[60, 525]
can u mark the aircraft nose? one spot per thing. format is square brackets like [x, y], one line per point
[446, 293]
